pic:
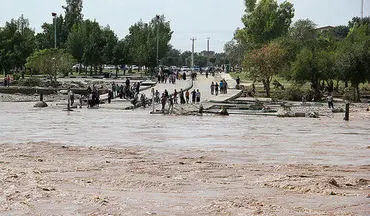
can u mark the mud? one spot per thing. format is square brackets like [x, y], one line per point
[49, 179]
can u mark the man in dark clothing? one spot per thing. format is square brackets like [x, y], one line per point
[216, 88]
[187, 96]
[182, 98]
[127, 82]
[193, 95]
[237, 80]
[138, 87]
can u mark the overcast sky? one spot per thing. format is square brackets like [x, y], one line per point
[201, 19]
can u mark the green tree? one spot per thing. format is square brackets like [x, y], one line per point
[76, 43]
[172, 58]
[264, 63]
[51, 62]
[303, 30]
[121, 53]
[186, 58]
[93, 52]
[264, 21]
[314, 63]
[354, 58]
[142, 40]
[110, 42]
[234, 52]
[17, 42]
[45, 39]
[73, 14]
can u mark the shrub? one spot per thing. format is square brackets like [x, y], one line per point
[16, 76]
[293, 93]
[31, 82]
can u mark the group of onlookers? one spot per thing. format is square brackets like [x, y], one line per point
[182, 97]
[219, 87]
[126, 91]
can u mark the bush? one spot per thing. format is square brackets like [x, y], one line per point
[16, 76]
[30, 82]
[293, 93]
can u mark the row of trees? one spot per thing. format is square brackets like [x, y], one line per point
[269, 46]
[87, 41]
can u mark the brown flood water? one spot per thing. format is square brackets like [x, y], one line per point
[243, 139]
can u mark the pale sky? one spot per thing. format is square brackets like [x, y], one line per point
[201, 19]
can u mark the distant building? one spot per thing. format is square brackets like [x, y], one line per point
[325, 28]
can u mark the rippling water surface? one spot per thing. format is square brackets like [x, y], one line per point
[242, 138]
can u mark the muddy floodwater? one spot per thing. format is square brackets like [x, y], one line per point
[243, 139]
[115, 162]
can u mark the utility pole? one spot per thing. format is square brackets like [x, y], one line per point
[208, 38]
[208, 54]
[55, 29]
[157, 40]
[362, 8]
[192, 52]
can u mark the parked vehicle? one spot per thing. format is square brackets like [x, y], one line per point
[77, 66]
[174, 68]
[185, 68]
[196, 68]
[109, 67]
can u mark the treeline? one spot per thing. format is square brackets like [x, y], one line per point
[88, 42]
[270, 46]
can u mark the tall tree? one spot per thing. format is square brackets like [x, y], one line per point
[76, 42]
[303, 30]
[45, 39]
[121, 53]
[354, 57]
[17, 42]
[73, 14]
[142, 39]
[110, 42]
[93, 53]
[264, 22]
[234, 52]
[313, 64]
[172, 58]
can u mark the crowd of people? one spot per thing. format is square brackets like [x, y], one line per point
[171, 76]
[219, 87]
[131, 91]
[177, 97]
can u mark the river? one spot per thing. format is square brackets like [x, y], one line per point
[243, 139]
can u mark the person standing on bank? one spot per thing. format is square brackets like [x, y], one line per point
[163, 101]
[198, 96]
[330, 101]
[182, 98]
[175, 96]
[193, 95]
[187, 96]
[216, 88]
[8, 80]
[212, 88]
